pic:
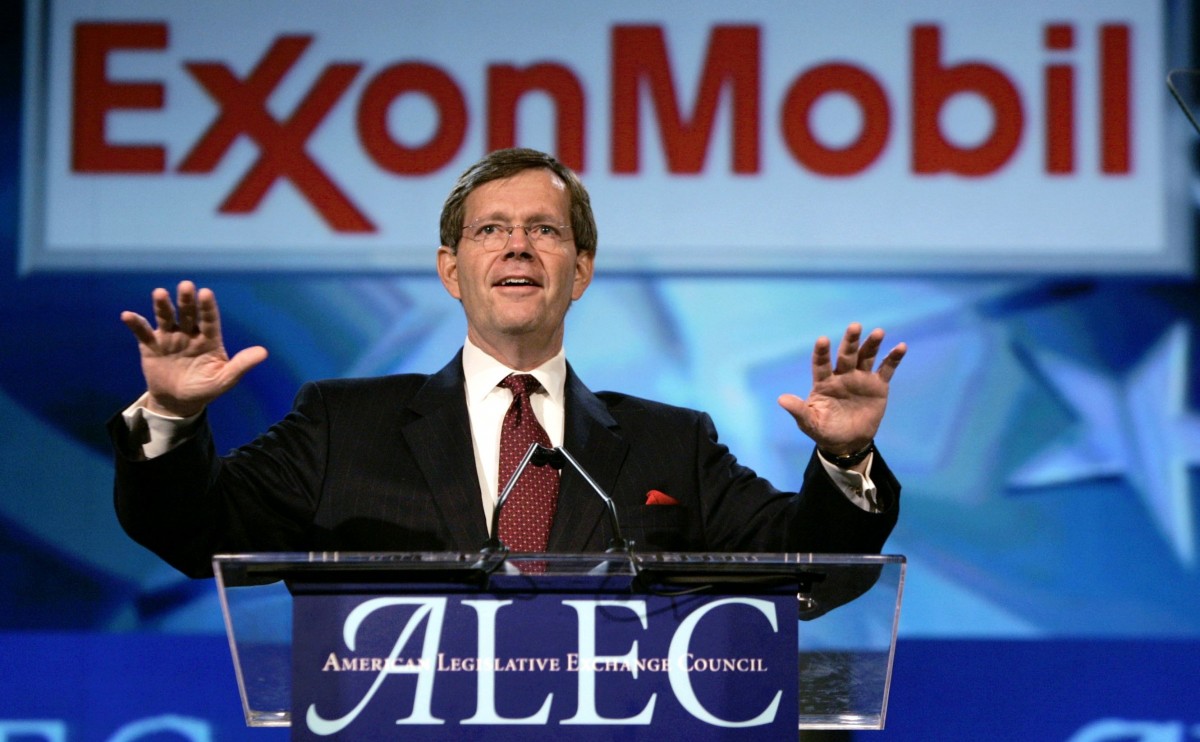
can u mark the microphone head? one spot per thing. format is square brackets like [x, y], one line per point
[543, 456]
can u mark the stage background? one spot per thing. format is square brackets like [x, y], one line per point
[1044, 425]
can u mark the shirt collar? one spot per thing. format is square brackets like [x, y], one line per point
[483, 373]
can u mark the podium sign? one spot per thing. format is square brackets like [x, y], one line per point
[454, 646]
[541, 665]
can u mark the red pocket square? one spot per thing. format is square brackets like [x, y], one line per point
[654, 497]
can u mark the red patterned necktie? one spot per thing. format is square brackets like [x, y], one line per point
[526, 517]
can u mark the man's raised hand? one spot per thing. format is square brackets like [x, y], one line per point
[183, 358]
[845, 407]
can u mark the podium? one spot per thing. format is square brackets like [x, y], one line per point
[460, 645]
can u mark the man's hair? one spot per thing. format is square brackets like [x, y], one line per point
[505, 163]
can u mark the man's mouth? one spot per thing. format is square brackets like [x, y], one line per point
[517, 282]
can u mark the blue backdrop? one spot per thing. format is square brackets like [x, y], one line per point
[1047, 432]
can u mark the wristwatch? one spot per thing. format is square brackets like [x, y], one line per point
[849, 460]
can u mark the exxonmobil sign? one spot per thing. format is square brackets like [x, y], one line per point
[1029, 136]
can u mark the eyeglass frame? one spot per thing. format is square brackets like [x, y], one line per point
[508, 229]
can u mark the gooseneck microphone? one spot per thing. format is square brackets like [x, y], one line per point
[617, 544]
[494, 544]
[539, 455]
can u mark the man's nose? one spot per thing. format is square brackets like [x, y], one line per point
[518, 239]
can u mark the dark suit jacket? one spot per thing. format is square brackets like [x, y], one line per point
[386, 464]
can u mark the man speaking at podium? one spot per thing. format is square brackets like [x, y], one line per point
[414, 462]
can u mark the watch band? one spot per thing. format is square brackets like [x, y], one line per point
[849, 460]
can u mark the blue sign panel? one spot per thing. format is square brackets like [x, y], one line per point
[541, 666]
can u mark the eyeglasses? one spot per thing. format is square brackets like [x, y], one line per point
[494, 236]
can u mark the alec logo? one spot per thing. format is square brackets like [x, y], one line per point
[645, 91]
[547, 661]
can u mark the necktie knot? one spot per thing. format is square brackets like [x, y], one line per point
[521, 385]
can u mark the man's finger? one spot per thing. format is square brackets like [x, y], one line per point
[797, 408]
[822, 364]
[140, 327]
[869, 349]
[164, 310]
[848, 349]
[243, 361]
[186, 299]
[208, 314]
[892, 361]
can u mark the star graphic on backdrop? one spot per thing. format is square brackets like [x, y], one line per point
[1137, 428]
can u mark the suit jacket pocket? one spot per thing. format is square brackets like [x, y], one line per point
[658, 527]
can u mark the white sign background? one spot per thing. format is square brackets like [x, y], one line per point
[782, 218]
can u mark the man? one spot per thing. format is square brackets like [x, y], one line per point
[415, 462]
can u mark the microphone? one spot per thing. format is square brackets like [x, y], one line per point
[540, 455]
[555, 457]
[494, 544]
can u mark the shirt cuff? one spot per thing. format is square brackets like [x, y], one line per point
[858, 488]
[156, 434]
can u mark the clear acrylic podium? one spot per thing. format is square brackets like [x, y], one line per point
[847, 609]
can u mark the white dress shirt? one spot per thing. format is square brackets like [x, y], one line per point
[487, 404]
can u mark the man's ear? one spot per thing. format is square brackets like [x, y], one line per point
[584, 265]
[447, 268]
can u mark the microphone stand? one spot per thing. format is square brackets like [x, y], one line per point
[494, 552]
[666, 579]
[539, 455]
[617, 544]
[494, 545]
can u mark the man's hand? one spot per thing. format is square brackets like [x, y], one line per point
[846, 404]
[183, 359]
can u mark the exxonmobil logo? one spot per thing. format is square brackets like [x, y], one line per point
[645, 93]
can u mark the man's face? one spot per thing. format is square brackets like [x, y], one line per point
[518, 293]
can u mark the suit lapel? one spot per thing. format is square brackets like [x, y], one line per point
[440, 439]
[590, 436]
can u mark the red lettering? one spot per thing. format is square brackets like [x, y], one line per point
[281, 145]
[1060, 104]
[389, 85]
[642, 72]
[872, 101]
[94, 95]
[933, 85]
[506, 86]
[1115, 94]
[639, 53]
